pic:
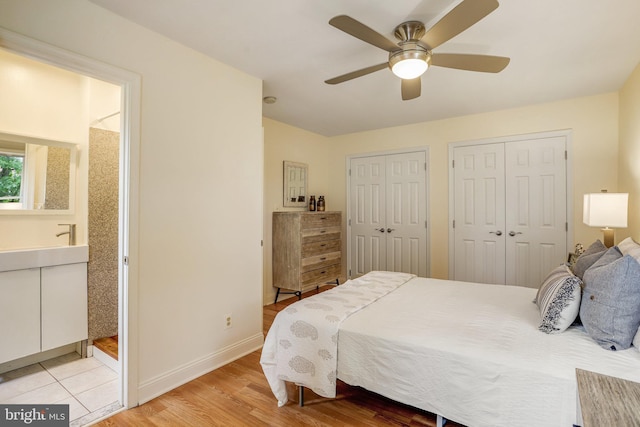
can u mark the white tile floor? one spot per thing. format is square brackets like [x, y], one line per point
[88, 386]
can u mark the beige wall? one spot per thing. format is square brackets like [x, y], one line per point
[629, 160]
[284, 142]
[593, 121]
[200, 190]
[46, 102]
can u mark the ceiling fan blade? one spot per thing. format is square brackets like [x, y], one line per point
[460, 61]
[362, 32]
[357, 73]
[411, 88]
[459, 19]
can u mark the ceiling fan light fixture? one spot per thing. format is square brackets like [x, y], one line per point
[409, 64]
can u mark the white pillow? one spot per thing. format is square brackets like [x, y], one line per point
[559, 300]
[636, 340]
[627, 245]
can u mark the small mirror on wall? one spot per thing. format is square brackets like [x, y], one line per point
[295, 184]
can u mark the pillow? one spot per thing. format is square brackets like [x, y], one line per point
[636, 339]
[627, 245]
[634, 253]
[558, 300]
[588, 258]
[610, 307]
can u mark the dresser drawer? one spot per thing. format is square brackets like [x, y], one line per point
[321, 275]
[320, 234]
[321, 247]
[320, 220]
[320, 261]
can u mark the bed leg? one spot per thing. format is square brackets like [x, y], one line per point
[301, 396]
[440, 421]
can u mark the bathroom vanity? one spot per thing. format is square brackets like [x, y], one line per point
[43, 299]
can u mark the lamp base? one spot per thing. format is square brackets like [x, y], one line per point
[608, 236]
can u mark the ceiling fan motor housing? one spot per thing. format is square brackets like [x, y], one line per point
[410, 50]
[409, 31]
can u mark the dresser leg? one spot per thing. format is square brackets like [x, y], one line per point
[296, 293]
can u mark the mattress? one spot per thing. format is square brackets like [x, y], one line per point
[473, 354]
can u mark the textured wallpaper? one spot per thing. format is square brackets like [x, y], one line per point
[57, 178]
[103, 233]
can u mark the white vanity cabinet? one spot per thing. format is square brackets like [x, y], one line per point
[19, 313]
[43, 300]
[63, 296]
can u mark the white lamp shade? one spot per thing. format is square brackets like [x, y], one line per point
[605, 210]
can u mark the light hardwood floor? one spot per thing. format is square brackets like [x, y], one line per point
[238, 395]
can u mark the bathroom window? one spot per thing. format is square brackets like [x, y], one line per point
[11, 188]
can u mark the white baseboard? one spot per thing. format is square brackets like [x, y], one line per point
[190, 371]
[103, 357]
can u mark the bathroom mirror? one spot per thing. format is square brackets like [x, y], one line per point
[36, 175]
[295, 184]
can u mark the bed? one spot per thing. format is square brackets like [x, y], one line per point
[469, 352]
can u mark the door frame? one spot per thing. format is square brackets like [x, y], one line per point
[421, 149]
[129, 161]
[563, 133]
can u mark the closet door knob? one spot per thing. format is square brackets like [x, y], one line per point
[513, 233]
[389, 230]
[497, 233]
[379, 229]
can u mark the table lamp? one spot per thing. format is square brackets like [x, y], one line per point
[607, 210]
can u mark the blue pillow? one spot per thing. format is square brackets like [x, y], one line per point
[610, 307]
[588, 258]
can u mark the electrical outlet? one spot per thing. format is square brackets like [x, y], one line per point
[227, 321]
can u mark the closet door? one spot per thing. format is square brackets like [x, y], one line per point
[367, 193]
[479, 213]
[388, 214]
[510, 211]
[536, 215]
[406, 213]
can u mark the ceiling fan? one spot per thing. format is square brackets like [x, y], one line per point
[412, 55]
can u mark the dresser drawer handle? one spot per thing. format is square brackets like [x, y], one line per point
[322, 272]
[323, 217]
[323, 258]
[323, 231]
[323, 245]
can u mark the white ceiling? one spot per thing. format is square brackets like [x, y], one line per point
[558, 48]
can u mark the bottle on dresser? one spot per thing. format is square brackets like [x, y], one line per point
[321, 204]
[312, 203]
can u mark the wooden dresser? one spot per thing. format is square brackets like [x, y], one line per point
[306, 249]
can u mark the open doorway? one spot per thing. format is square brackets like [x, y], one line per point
[111, 113]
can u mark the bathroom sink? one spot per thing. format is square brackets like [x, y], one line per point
[20, 259]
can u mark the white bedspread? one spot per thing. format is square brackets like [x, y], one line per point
[301, 345]
[473, 354]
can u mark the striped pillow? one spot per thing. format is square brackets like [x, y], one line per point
[558, 300]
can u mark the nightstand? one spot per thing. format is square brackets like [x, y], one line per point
[607, 401]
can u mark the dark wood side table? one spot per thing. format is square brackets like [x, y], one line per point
[607, 401]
